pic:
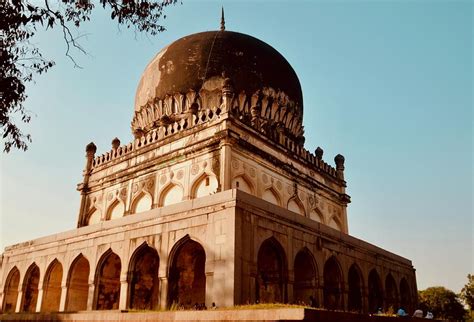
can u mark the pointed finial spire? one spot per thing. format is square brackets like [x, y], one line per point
[222, 19]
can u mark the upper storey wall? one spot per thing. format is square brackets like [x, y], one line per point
[170, 166]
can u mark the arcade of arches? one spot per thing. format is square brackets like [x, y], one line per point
[187, 282]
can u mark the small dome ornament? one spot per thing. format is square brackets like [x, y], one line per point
[115, 143]
[319, 153]
[91, 148]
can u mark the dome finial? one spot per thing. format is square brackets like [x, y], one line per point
[222, 19]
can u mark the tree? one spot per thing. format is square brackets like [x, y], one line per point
[467, 292]
[21, 60]
[443, 303]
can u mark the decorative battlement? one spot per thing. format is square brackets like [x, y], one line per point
[207, 115]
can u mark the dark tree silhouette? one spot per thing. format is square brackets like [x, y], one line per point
[443, 303]
[467, 293]
[21, 60]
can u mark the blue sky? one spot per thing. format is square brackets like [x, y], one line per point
[388, 84]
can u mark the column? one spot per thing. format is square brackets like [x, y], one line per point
[90, 297]
[62, 301]
[39, 302]
[19, 298]
[163, 292]
[225, 167]
[123, 293]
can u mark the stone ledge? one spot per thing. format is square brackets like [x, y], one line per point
[256, 315]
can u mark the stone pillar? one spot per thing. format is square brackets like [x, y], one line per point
[19, 299]
[225, 168]
[90, 297]
[83, 188]
[163, 292]
[321, 291]
[209, 288]
[1, 301]
[39, 301]
[62, 301]
[123, 294]
[291, 283]
[365, 299]
[345, 296]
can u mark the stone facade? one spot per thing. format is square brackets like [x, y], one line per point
[216, 200]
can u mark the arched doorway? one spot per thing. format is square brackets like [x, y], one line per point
[305, 286]
[10, 291]
[375, 291]
[355, 287]
[271, 273]
[186, 276]
[52, 287]
[391, 294]
[405, 296]
[30, 289]
[78, 285]
[332, 285]
[143, 279]
[108, 282]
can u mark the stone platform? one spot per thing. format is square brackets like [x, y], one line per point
[255, 315]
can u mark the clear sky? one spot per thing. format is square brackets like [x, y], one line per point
[386, 84]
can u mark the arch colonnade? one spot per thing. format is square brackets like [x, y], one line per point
[139, 284]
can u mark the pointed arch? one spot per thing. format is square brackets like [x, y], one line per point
[391, 293]
[186, 273]
[143, 278]
[333, 284]
[142, 202]
[272, 271]
[295, 205]
[78, 284]
[171, 194]
[93, 216]
[30, 289]
[10, 292]
[335, 223]
[205, 185]
[272, 196]
[375, 291]
[317, 215]
[115, 210]
[306, 278]
[354, 279]
[242, 182]
[107, 281]
[52, 287]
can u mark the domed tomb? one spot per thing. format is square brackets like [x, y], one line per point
[194, 72]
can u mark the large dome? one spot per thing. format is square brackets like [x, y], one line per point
[199, 60]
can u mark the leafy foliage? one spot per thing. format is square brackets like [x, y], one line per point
[21, 60]
[467, 292]
[443, 303]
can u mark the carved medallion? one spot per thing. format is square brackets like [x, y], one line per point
[135, 188]
[264, 178]
[180, 174]
[253, 172]
[279, 185]
[289, 189]
[235, 164]
[150, 183]
[195, 169]
[163, 179]
[110, 196]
